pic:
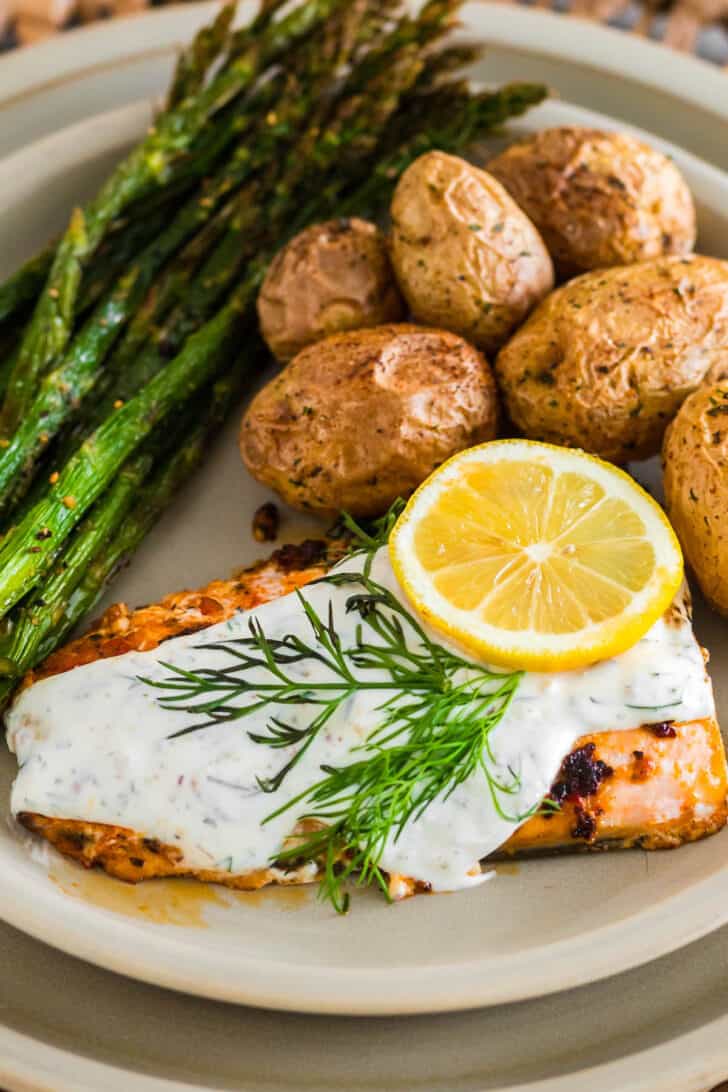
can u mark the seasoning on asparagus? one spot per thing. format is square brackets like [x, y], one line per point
[23, 287]
[147, 167]
[63, 388]
[112, 531]
[194, 63]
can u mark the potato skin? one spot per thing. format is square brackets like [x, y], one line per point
[599, 199]
[465, 256]
[606, 361]
[361, 418]
[331, 277]
[695, 458]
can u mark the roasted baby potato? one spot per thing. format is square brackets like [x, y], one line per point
[598, 199]
[361, 418]
[695, 457]
[466, 258]
[606, 361]
[333, 276]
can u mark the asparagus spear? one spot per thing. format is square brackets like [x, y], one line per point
[271, 128]
[107, 537]
[204, 218]
[149, 166]
[209, 44]
[60, 305]
[167, 479]
[460, 123]
[305, 96]
[43, 612]
[52, 321]
[62, 389]
[115, 255]
[23, 557]
[244, 36]
[25, 285]
[447, 60]
[22, 288]
[194, 63]
[6, 363]
[434, 20]
[135, 361]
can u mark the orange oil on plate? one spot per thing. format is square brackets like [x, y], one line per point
[507, 868]
[168, 902]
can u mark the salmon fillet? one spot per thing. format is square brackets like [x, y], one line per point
[655, 787]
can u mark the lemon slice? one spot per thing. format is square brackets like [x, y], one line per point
[536, 556]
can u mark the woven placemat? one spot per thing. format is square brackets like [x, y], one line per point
[693, 26]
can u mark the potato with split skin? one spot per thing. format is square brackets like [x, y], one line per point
[465, 256]
[695, 458]
[607, 360]
[362, 418]
[599, 199]
[331, 277]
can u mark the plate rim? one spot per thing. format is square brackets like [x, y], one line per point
[692, 1062]
[27, 71]
[313, 989]
[330, 991]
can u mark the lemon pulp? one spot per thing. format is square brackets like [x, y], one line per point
[536, 556]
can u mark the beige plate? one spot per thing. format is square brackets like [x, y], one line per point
[99, 67]
[545, 926]
[71, 1027]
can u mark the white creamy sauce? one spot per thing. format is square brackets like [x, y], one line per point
[94, 743]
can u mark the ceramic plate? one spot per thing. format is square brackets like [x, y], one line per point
[73, 75]
[71, 1027]
[542, 926]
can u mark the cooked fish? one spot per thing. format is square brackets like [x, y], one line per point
[654, 785]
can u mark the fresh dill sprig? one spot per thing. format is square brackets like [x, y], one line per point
[435, 718]
[367, 538]
[215, 694]
[427, 745]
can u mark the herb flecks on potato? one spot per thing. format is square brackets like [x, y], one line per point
[607, 360]
[332, 277]
[695, 456]
[361, 418]
[599, 199]
[466, 257]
